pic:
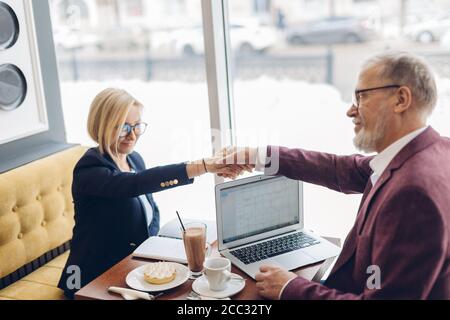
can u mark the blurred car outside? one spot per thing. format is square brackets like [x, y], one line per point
[429, 31]
[331, 30]
[246, 37]
[445, 40]
[73, 39]
[122, 39]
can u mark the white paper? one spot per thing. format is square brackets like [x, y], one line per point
[161, 248]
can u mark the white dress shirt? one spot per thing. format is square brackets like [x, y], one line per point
[261, 158]
[147, 206]
[384, 158]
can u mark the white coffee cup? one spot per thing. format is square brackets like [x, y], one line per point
[217, 271]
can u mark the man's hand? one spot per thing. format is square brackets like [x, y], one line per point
[240, 156]
[271, 280]
[228, 163]
[242, 159]
[218, 164]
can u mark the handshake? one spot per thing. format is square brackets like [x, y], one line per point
[232, 162]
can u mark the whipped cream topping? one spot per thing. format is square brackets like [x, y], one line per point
[160, 270]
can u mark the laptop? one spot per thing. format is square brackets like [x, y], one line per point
[260, 221]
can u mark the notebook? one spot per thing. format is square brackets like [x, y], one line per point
[168, 245]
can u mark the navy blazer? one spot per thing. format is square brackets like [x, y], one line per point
[110, 221]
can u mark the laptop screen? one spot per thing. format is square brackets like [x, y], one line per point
[258, 207]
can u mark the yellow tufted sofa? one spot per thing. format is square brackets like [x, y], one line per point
[36, 222]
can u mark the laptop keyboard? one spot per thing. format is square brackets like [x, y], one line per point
[274, 247]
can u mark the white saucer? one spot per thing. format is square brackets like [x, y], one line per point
[201, 286]
[135, 279]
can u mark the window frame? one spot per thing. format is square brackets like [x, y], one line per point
[218, 72]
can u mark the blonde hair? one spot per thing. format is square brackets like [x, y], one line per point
[107, 115]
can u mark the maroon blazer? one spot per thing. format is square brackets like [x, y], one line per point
[402, 226]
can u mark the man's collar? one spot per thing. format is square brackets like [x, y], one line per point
[380, 162]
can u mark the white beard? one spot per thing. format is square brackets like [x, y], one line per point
[367, 141]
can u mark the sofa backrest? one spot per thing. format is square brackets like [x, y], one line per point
[36, 209]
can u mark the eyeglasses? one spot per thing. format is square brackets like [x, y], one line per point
[138, 128]
[356, 96]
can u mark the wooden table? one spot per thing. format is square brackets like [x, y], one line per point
[98, 289]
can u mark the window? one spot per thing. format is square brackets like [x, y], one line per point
[292, 84]
[293, 67]
[261, 6]
[135, 8]
[161, 66]
[71, 11]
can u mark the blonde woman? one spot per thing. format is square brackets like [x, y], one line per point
[112, 190]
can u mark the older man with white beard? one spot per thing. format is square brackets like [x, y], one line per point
[401, 236]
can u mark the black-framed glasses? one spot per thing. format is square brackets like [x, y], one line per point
[356, 96]
[138, 128]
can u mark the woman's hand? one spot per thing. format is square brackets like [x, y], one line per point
[244, 156]
[221, 164]
[240, 158]
[230, 171]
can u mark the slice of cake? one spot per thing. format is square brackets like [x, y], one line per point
[160, 272]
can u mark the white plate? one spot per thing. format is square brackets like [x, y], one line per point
[201, 286]
[135, 279]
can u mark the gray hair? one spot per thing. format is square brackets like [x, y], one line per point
[409, 70]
